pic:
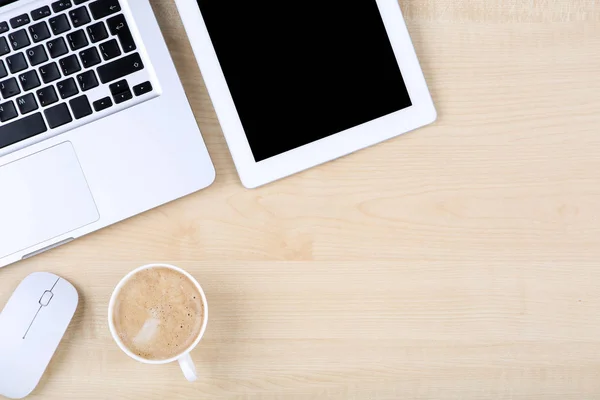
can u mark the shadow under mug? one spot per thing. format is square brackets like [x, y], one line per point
[184, 358]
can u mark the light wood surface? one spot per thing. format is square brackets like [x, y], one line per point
[461, 261]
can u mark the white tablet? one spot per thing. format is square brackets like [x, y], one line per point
[298, 83]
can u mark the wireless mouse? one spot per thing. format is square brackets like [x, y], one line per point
[32, 325]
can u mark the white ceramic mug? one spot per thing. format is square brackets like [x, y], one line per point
[184, 358]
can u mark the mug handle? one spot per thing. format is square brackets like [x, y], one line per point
[188, 367]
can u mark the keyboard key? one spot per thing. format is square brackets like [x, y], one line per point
[89, 57]
[16, 63]
[126, 40]
[118, 26]
[40, 13]
[61, 5]
[80, 106]
[21, 129]
[27, 103]
[120, 91]
[119, 87]
[8, 111]
[123, 96]
[47, 96]
[87, 80]
[59, 24]
[3, 26]
[39, 31]
[110, 49]
[9, 88]
[49, 72]
[58, 115]
[77, 40]
[19, 20]
[142, 88]
[104, 8]
[79, 16]
[67, 88]
[102, 104]
[120, 68]
[57, 47]
[77, 2]
[69, 65]
[97, 32]
[29, 80]
[19, 39]
[37, 55]
[3, 71]
[4, 49]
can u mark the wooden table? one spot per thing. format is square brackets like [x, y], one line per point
[458, 262]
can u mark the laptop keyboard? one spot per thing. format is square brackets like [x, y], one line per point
[66, 64]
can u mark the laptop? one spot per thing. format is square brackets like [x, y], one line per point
[94, 124]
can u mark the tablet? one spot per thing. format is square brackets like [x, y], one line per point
[298, 83]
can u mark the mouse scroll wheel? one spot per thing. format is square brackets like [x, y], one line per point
[46, 297]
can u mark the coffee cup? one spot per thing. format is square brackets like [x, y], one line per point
[158, 314]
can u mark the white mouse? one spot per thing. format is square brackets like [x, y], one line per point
[32, 325]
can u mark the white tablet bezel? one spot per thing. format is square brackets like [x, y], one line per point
[254, 174]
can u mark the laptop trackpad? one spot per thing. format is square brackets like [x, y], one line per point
[43, 196]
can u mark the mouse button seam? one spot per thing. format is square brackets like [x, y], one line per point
[32, 321]
[52, 288]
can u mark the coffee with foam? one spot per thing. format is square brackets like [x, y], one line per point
[158, 313]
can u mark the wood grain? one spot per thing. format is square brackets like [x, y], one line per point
[457, 262]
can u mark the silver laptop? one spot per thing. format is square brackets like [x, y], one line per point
[94, 123]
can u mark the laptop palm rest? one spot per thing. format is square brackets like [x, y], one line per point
[43, 196]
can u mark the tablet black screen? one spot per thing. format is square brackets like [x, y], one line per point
[299, 71]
